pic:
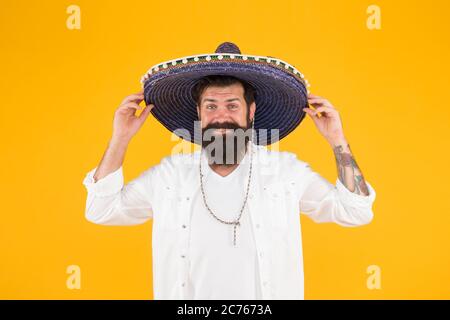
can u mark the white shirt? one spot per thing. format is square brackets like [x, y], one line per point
[282, 186]
[218, 269]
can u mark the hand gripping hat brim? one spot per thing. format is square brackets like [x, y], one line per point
[280, 91]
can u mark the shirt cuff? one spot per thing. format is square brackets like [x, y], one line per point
[110, 184]
[353, 198]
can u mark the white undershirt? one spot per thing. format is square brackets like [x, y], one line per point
[217, 268]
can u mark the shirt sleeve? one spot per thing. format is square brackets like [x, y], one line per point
[110, 202]
[325, 202]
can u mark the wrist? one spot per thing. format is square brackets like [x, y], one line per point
[341, 141]
[119, 142]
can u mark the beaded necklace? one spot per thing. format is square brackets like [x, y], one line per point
[236, 222]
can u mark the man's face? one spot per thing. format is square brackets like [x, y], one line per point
[224, 105]
[222, 110]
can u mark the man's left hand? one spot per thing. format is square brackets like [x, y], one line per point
[326, 119]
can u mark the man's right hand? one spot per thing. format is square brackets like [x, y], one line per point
[126, 124]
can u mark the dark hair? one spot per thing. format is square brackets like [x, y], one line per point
[222, 81]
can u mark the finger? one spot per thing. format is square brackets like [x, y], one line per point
[314, 108]
[321, 104]
[144, 114]
[317, 100]
[316, 112]
[129, 107]
[311, 114]
[324, 109]
[133, 105]
[310, 111]
[320, 101]
[133, 97]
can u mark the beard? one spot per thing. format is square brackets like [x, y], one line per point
[226, 148]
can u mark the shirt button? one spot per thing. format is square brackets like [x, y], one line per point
[187, 198]
[183, 256]
[184, 226]
[183, 284]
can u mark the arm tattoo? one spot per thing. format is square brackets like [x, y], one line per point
[348, 171]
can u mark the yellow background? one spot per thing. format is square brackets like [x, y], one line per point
[60, 87]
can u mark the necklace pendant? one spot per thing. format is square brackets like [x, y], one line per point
[234, 233]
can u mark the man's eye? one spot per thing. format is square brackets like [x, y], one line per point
[233, 106]
[211, 106]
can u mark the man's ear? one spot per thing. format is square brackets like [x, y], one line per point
[252, 110]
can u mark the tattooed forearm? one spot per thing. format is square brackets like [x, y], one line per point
[348, 171]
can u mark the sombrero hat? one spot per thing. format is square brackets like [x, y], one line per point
[280, 91]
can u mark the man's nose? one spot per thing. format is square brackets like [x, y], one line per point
[222, 115]
[221, 112]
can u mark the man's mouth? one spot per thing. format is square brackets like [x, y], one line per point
[222, 130]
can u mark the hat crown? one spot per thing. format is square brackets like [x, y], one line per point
[228, 47]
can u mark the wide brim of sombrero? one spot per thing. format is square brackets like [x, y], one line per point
[281, 93]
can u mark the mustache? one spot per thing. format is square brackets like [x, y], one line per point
[223, 125]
